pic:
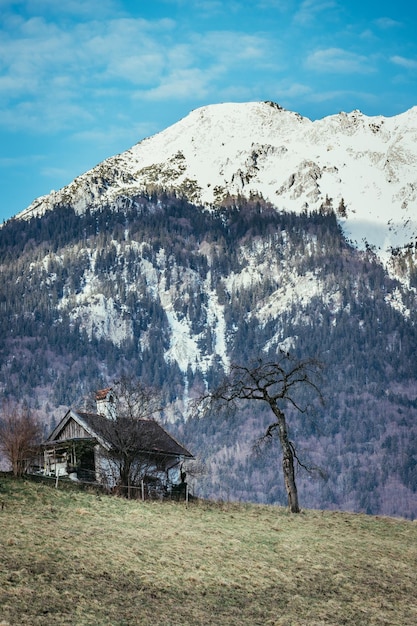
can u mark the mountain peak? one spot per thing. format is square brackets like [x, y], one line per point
[368, 164]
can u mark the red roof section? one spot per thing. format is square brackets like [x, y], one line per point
[102, 393]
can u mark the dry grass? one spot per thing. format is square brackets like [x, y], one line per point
[75, 559]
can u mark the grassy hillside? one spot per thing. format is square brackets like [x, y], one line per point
[75, 559]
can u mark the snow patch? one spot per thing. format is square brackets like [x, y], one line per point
[395, 300]
[102, 318]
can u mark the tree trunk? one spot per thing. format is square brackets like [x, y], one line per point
[289, 477]
[124, 478]
[287, 462]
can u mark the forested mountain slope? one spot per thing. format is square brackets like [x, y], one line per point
[173, 293]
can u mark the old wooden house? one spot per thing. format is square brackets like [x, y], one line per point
[92, 447]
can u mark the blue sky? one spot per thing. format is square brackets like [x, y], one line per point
[82, 80]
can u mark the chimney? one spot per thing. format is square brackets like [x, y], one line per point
[106, 403]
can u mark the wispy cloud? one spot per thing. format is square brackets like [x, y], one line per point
[294, 90]
[178, 85]
[342, 94]
[53, 72]
[231, 48]
[54, 172]
[122, 132]
[338, 61]
[24, 160]
[44, 115]
[409, 64]
[200, 66]
[44, 62]
[311, 9]
[386, 23]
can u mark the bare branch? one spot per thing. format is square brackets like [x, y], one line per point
[136, 400]
[311, 469]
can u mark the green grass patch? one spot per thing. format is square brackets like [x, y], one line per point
[75, 558]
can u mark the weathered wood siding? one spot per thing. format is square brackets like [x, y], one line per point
[72, 430]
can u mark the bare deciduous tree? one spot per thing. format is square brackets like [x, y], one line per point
[127, 433]
[277, 383]
[136, 400]
[20, 433]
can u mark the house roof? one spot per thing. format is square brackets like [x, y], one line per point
[59, 435]
[152, 436]
[101, 394]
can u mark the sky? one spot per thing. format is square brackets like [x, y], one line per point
[83, 80]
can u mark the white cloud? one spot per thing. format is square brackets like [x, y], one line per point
[338, 61]
[137, 69]
[342, 95]
[198, 67]
[386, 23]
[20, 161]
[295, 90]
[68, 64]
[230, 47]
[73, 64]
[179, 85]
[116, 135]
[409, 64]
[55, 172]
[311, 9]
[44, 115]
[230, 52]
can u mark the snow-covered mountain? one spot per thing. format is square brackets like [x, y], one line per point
[365, 168]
